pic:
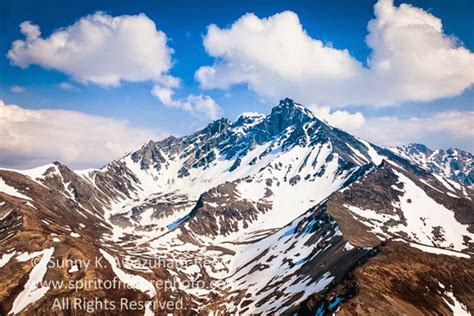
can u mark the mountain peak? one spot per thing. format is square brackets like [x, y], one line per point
[216, 126]
[292, 108]
[416, 147]
[289, 104]
[288, 113]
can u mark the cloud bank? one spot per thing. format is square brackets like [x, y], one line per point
[436, 129]
[29, 138]
[411, 59]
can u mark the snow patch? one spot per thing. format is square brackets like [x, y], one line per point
[134, 281]
[32, 293]
[457, 307]
[439, 251]
[5, 258]
[74, 268]
[5, 188]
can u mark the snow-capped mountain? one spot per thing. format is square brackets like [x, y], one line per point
[271, 214]
[455, 164]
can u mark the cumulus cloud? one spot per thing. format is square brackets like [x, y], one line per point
[29, 138]
[105, 50]
[411, 59]
[98, 49]
[17, 89]
[198, 105]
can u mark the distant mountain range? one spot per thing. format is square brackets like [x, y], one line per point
[455, 164]
[270, 214]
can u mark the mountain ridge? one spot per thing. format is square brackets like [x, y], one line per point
[452, 163]
[278, 209]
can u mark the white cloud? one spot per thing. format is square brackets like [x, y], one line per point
[438, 130]
[411, 60]
[67, 86]
[29, 138]
[198, 105]
[340, 119]
[98, 49]
[105, 50]
[17, 89]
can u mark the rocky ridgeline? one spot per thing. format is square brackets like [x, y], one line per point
[270, 214]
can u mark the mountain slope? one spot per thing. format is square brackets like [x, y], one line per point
[455, 164]
[265, 214]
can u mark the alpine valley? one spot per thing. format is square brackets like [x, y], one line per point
[270, 214]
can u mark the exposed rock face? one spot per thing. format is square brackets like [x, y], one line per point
[392, 204]
[400, 280]
[268, 214]
[452, 163]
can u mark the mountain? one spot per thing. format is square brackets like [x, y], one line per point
[269, 214]
[455, 164]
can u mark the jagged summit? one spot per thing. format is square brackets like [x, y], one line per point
[291, 108]
[288, 113]
[256, 137]
[280, 208]
[289, 124]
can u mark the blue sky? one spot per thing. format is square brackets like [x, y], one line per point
[342, 25]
